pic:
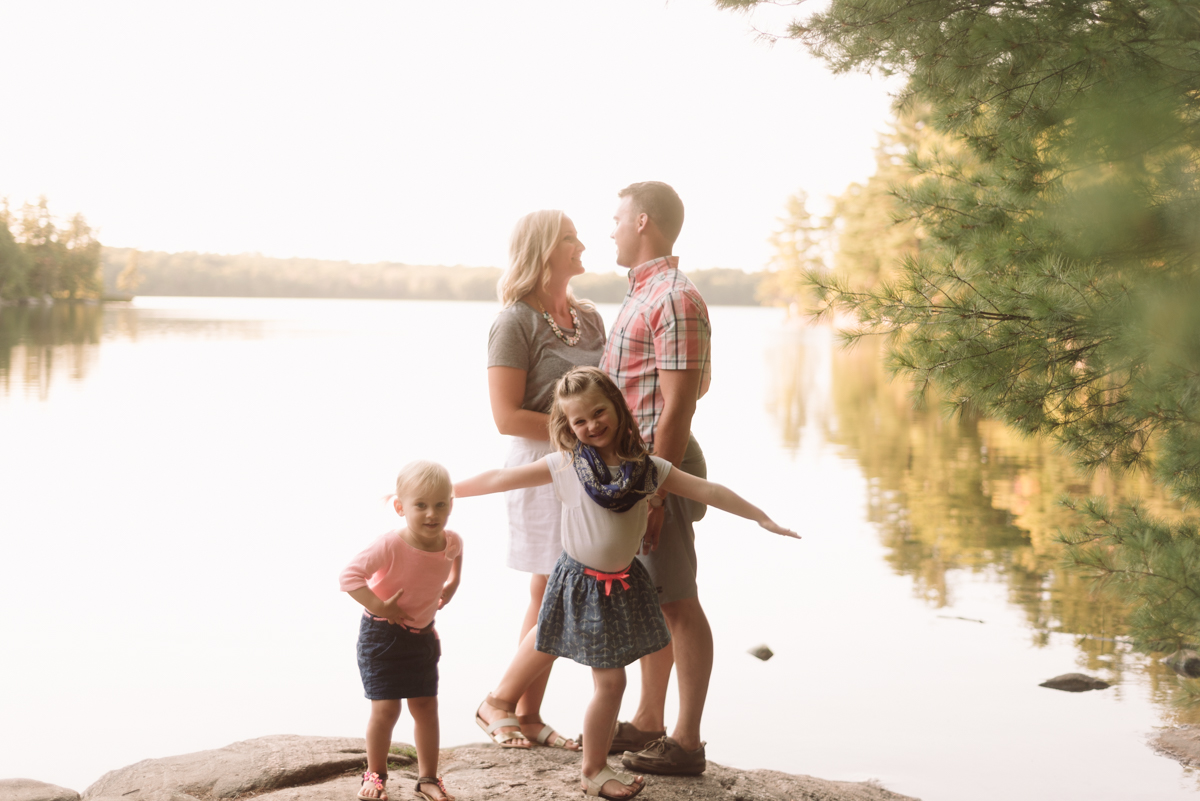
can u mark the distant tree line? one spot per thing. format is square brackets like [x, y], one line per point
[255, 275]
[41, 258]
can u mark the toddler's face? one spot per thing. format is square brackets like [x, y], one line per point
[426, 510]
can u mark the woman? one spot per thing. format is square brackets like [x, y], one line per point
[541, 333]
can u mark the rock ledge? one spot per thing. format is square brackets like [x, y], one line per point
[294, 768]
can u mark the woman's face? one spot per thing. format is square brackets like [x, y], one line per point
[566, 259]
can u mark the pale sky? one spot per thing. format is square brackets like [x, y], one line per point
[418, 131]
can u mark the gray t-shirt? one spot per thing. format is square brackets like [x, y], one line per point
[521, 338]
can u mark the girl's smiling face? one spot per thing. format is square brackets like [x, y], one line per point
[593, 421]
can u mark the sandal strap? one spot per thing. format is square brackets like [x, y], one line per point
[596, 783]
[375, 779]
[505, 736]
[501, 704]
[432, 780]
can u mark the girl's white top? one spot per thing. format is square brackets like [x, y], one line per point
[601, 539]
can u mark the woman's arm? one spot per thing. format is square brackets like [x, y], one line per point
[534, 474]
[725, 499]
[506, 390]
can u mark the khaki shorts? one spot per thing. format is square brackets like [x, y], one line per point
[672, 566]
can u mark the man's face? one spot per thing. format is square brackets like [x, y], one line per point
[625, 232]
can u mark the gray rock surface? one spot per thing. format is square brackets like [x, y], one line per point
[1185, 662]
[30, 790]
[1075, 683]
[293, 768]
[1181, 743]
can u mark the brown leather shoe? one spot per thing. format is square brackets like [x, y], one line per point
[630, 738]
[665, 757]
[627, 737]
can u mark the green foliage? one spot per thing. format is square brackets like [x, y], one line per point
[14, 262]
[798, 242]
[43, 260]
[1055, 284]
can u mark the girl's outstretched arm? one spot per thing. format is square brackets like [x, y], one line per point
[725, 499]
[506, 478]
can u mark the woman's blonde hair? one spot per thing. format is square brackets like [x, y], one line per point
[628, 444]
[422, 476]
[533, 238]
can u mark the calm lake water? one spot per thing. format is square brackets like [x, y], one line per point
[181, 480]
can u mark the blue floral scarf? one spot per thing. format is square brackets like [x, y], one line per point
[633, 482]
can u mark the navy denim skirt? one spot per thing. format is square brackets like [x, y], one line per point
[395, 662]
[585, 620]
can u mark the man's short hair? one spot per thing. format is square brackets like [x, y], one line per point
[660, 203]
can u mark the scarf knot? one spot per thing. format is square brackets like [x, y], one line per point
[633, 481]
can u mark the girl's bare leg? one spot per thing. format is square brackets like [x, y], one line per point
[598, 724]
[427, 734]
[384, 715]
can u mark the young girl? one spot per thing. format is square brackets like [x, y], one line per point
[599, 607]
[401, 581]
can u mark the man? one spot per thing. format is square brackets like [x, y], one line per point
[658, 354]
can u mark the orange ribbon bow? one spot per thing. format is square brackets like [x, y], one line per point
[609, 578]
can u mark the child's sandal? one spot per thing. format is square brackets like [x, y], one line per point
[379, 781]
[433, 780]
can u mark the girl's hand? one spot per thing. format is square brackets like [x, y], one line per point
[391, 610]
[447, 593]
[772, 526]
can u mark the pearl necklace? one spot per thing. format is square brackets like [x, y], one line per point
[571, 341]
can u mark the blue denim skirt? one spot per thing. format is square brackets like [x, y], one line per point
[598, 624]
[395, 662]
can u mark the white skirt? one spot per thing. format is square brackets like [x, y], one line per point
[534, 515]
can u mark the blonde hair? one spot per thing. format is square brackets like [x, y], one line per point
[628, 444]
[422, 475]
[533, 238]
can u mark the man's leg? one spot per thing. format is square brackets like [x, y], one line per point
[673, 570]
[656, 675]
[693, 642]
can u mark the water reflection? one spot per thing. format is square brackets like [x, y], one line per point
[42, 345]
[964, 494]
[39, 342]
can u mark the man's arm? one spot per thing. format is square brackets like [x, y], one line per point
[680, 389]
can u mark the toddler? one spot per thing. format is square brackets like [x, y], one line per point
[401, 581]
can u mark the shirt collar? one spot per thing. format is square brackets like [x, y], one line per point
[649, 269]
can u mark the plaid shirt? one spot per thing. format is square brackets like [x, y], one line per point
[662, 325]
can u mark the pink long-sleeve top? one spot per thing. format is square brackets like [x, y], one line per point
[390, 564]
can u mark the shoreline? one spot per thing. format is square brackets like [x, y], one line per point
[296, 768]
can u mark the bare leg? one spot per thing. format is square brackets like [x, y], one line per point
[527, 664]
[693, 642]
[656, 675]
[384, 715]
[427, 733]
[529, 706]
[598, 724]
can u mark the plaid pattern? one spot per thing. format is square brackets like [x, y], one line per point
[663, 325]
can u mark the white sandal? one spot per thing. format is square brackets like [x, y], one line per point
[501, 738]
[544, 734]
[595, 785]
